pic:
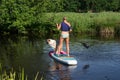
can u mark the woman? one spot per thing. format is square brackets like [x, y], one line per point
[65, 28]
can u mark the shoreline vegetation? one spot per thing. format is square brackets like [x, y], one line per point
[97, 23]
[93, 23]
[20, 75]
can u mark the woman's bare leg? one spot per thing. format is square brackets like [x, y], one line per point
[67, 46]
[60, 45]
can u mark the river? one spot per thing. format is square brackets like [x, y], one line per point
[101, 61]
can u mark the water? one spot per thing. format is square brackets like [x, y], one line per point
[101, 61]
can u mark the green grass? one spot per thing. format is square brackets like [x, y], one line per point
[12, 75]
[85, 22]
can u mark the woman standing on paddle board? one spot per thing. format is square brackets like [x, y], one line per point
[65, 28]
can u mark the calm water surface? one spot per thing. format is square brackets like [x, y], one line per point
[101, 61]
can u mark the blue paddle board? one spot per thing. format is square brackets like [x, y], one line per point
[63, 58]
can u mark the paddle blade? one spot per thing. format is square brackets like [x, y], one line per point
[85, 45]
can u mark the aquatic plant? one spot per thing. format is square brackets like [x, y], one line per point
[13, 75]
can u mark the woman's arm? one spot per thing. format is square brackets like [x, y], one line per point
[68, 23]
[58, 26]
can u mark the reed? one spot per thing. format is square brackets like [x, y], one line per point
[86, 22]
[12, 75]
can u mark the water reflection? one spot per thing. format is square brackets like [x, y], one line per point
[59, 71]
[22, 52]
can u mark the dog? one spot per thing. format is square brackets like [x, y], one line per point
[54, 45]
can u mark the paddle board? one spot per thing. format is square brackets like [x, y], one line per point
[63, 58]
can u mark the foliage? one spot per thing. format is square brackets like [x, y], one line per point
[71, 6]
[100, 5]
[27, 16]
[88, 22]
[20, 15]
[12, 75]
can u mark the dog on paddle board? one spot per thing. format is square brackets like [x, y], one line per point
[54, 45]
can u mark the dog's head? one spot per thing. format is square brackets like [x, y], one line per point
[51, 43]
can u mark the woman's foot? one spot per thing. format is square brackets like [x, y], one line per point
[68, 55]
[57, 55]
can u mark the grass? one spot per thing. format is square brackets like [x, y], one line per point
[12, 75]
[86, 22]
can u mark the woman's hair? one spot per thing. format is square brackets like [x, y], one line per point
[64, 18]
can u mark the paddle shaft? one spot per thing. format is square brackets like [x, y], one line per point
[83, 43]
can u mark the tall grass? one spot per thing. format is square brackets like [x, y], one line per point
[12, 75]
[86, 22]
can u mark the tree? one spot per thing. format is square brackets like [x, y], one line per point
[71, 6]
[115, 5]
[18, 15]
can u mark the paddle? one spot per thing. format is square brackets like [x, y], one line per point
[85, 45]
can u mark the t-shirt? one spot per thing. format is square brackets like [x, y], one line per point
[65, 27]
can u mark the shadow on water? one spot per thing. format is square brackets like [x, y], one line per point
[100, 61]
